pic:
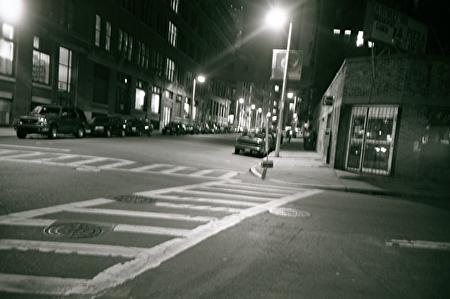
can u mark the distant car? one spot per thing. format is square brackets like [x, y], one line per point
[108, 126]
[137, 127]
[190, 129]
[254, 143]
[173, 128]
[51, 120]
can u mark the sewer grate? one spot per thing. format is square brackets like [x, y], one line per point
[134, 199]
[74, 230]
[289, 212]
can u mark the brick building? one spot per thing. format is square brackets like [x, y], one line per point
[394, 123]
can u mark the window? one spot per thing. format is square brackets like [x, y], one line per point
[65, 69]
[178, 106]
[140, 99]
[6, 49]
[120, 39]
[41, 67]
[155, 99]
[172, 34]
[174, 5]
[170, 68]
[108, 36]
[187, 108]
[130, 47]
[98, 29]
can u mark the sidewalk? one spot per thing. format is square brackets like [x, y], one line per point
[298, 168]
[7, 131]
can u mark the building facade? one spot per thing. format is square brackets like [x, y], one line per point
[130, 57]
[390, 116]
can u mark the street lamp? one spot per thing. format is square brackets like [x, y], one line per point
[275, 19]
[201, 79]
[10, 10]
[241, 114]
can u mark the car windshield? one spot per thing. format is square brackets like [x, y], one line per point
[45, 110]
[254, 134]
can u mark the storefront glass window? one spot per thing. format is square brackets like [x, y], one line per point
[41, 67]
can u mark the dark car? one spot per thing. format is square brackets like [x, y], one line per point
[253, 143]
[52, 120]
[173, 128]
[138, 127]
[108, 126]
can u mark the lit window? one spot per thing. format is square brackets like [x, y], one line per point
[6, 49]
[172, 34]
[119, 44]
[174, 5]
[108, 36]
[347, 32]
[360, 39]
[65, 69]
[140, 99]
[130, 47]
[277, 88]
[36, 42]
[371, 44]
[336, 31]
[8, 31]
[155, 103]
[41, 67]
[98, 28]
[170, 69]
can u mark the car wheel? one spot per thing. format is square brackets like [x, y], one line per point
[53, 133]
[21, 135]
[237, 151]
[80, 132]
[108, 133]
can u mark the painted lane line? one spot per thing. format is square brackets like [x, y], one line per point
[196, 207]
[175, 169]
[420, 244]
[88, 161]
[36, 148]
[249, 192]
[228, 175]
[48, 285]
[202, 172]
[57, 208]
[204, 200]
[229, 195]
[27, 222]
[151, 230]
[120, 163]
[129, 213]
[20, 156]
[68, 248]
[154, 256]
[149, 167]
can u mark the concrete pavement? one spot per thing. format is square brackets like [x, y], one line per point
[7, 131]
[297, 167]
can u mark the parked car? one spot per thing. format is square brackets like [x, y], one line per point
[137, 127]
[108, 126]
[173, 128]
[51, 120]
[190, 129]
[254, 143]
[309, 140]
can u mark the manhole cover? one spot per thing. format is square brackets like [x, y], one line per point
[74, 230]
[289, 212]
[134, 199]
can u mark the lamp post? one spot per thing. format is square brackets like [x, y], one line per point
[201, 79]
[241, 114]
[275, 19]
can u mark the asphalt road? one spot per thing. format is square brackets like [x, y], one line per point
[180, 217]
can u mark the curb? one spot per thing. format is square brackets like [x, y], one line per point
[384, 192]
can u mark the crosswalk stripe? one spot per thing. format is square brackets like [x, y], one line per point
[262, 188]
[39, 148]
[3, 151]
[204, 200]
[59, 158]
[263, 193]
[26, 221]
[87, 161]
[239, 196]
[68, 248]
[270, 187]
[175, 169]
[23, 155]
[149, 167]
[197, 207]
[228, 175]
[117, 164]
[48, 285]
[151, 230]
[130, 213]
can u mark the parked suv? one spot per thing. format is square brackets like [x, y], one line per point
[52, 120]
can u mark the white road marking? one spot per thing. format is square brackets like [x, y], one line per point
[151, 230]
[129, 213]
[231, 195]
[174, 189]
[87, 161]
[67, 248]
[154, 256]
[262, 193]
[203, 200]
[175, 169]
[149, 167]
[265, 188]
[20, 156]
[228, 175]
[36, 147]
[26, 221]
[120, 163]
[3, 151]
[196, 207]
[58, 158]
[420, 244]
[202, 172]
[15, 283]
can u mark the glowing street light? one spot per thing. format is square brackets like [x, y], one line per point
[200, 79]
[276, 19]
[10, 10]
